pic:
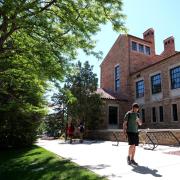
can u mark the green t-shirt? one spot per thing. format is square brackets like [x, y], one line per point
[132, 125]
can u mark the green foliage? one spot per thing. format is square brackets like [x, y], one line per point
[38, 40]
[53, 124]
[21, 105]
[55, 29]
[80, 102]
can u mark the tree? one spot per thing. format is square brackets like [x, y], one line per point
[53, 124]
[57, 27]
[38, 40]
[21, 104]
[82, 101]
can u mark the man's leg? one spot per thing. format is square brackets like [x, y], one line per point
[132, 157]
[133, 152]
[130, 154]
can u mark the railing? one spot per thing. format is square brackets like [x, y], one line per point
[150, 139]
[117, 139]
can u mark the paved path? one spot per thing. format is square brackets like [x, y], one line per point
[110, 161]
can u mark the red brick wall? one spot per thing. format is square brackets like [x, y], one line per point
[169, 47]
[129, 61]
[139, 60]
[133, 64]
[117, 55]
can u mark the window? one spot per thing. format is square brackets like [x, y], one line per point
[134, 46]
[143, 115]
[174, 109]
[156, 83]
[161, 117]
[117, 78]
[175, 77]
[140, 89]
[117, 85]
[113, 115]
[147, 50]
[141, 48]
[154, 114]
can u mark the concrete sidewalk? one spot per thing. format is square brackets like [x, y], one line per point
[110, 161]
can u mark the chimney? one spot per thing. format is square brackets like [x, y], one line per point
[169, 47]
[149, 36]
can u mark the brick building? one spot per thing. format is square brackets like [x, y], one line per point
[133, 72]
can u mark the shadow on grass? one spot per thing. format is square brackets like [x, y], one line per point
[36, 163]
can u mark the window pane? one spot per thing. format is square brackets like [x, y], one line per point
[161, 117]
[117, 85]
[117, 72]
[134, 46]
[175, 116]
[140, 89]
[141, 48]
[117, 78]
[113, 114]
[143, 115]
[147, 50]
[154, 114]
[175, 77]
[156, 83]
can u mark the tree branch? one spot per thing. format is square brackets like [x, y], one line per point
[48, 5]
[6, 34]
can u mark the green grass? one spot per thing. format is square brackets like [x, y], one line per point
[37, 163]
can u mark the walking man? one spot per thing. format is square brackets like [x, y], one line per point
[130, 129]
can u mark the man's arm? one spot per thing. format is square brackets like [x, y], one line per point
[139, 121]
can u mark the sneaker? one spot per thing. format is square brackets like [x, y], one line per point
[128, 160]
[133, 162]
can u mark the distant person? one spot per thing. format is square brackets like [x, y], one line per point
[130, 129]
[70, 131]
[81, 131]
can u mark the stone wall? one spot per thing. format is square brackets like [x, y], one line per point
[107, 135]
[165, 98]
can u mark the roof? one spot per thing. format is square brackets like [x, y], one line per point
[139, 38]
[105, 94]
[158, 62]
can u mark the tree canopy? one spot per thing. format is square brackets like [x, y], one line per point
[78, 98]
[38, 41]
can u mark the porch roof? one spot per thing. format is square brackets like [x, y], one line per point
[105, 94]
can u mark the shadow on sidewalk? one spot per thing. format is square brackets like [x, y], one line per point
[85, 142]
[95, 167]
[146, 170]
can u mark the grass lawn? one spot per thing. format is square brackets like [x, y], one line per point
[37, 163]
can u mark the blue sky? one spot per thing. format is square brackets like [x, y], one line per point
[161, 15]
